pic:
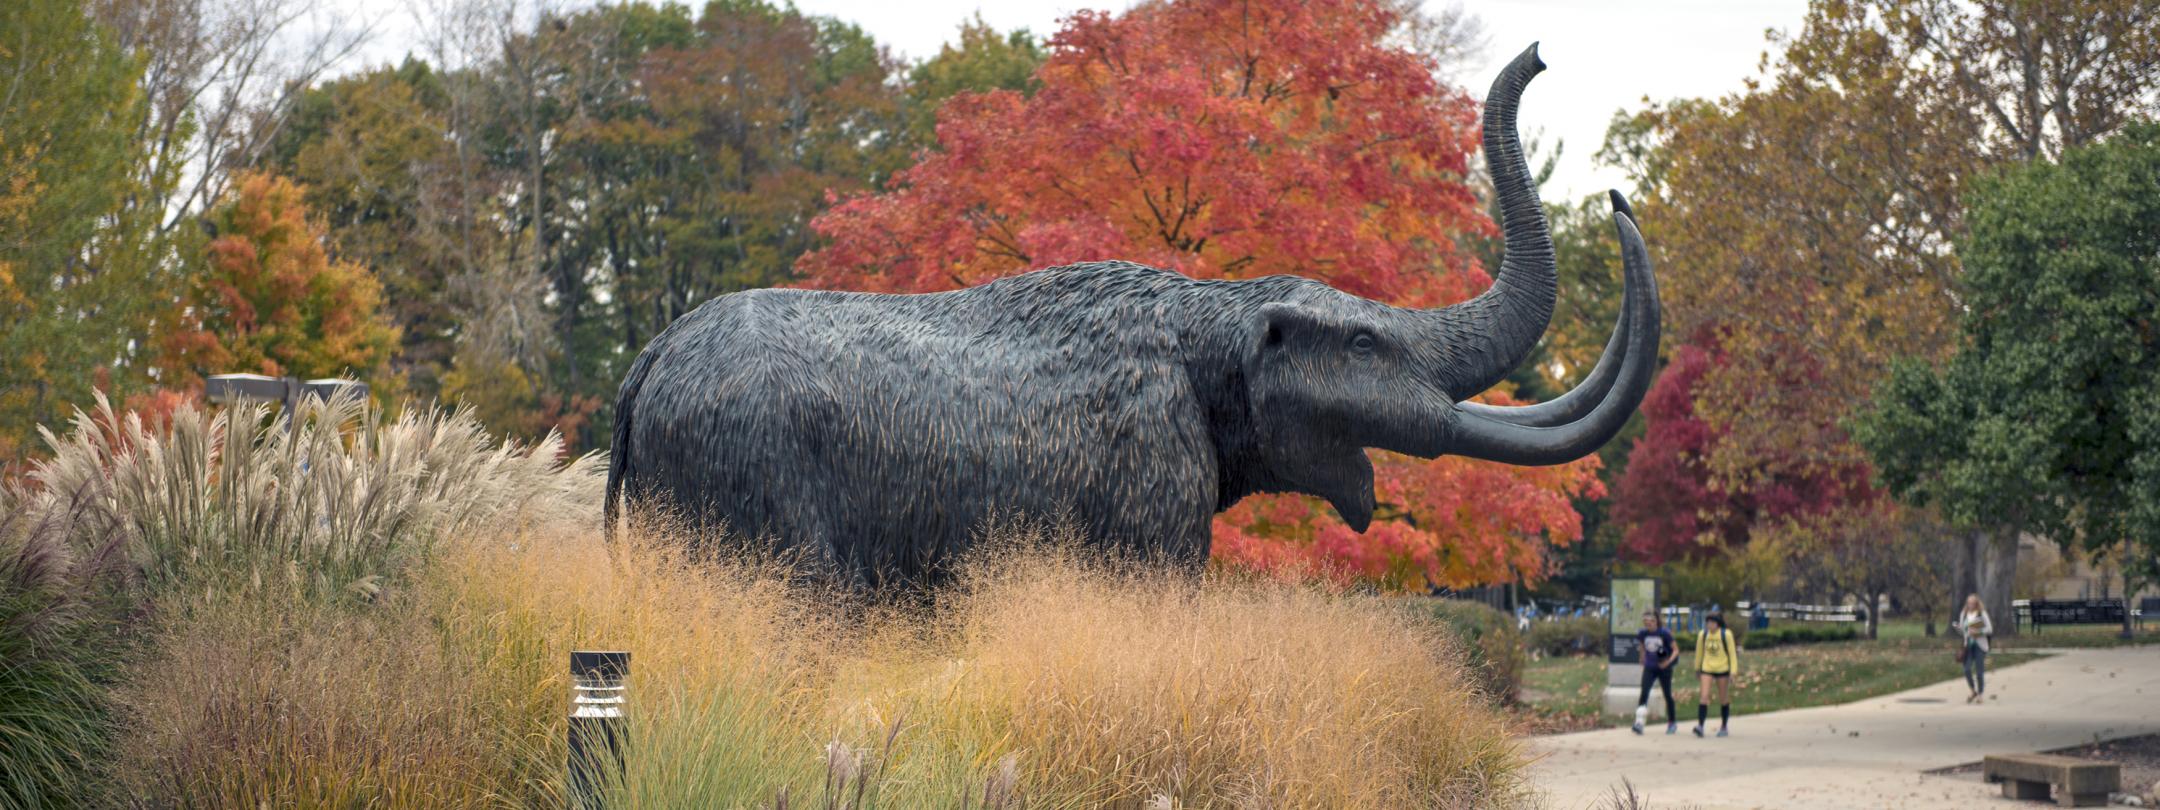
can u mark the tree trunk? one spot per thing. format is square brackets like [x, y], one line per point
[1874, 614]
[1987, 565]
[2130, 587]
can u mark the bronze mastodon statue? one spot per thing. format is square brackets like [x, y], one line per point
[874, 434]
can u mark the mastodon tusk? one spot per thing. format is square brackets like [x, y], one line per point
[1479, 435]
[1579, 400]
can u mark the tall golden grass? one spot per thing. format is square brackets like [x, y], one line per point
[237, 570]
[1039, 678]
[1039, 675]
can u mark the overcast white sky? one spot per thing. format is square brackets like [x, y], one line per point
[1602, 55]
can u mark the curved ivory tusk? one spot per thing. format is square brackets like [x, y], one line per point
[1579, 400]
[1477, 435]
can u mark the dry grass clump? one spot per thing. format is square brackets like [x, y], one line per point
[726, 656]
[1039, 680]
[1117, 687]
[360, 613]
[263, 700]
[336, 497]
[220, 554]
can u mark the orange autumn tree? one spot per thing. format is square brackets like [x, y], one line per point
[271, 299]
[1233, 139]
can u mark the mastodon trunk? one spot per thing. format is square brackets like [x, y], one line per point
[1492, 333]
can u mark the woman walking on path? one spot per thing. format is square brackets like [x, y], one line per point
[1717, 657]
[1659, 653]
[1977, 627]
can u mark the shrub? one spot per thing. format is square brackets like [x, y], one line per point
[54, 642]
[1068, 684]
[1578, 635]
[1492, 647]
[269, 528]
[1780, 635]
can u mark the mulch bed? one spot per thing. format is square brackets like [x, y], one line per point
[2138, 756]
[1528, 722]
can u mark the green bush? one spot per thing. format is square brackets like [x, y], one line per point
[1494, 646]
[1785, 634]
[1580, 635]
[1782, 635]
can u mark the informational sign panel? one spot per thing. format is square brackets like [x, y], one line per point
[1631, 598]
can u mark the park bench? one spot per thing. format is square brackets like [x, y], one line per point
[2042, 612]
[2075, 782]
[1807, 613]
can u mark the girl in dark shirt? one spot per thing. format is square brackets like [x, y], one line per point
[1658, 655]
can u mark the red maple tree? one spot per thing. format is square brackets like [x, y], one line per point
[1673, 508]
[1232, 139]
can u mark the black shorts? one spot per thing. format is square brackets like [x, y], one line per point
[1719, 675]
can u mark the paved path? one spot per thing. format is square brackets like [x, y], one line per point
[1868, 753]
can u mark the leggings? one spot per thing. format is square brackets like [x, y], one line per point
[1663, 678]
[1975, 666]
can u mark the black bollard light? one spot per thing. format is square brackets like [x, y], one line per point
[597, 738]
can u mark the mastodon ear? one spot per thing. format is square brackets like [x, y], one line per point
[1276, 324]
[1272, 368]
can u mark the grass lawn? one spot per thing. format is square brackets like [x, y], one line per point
[2057, 636]
[1569, 690]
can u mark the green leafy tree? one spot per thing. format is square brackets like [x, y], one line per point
[637, 161]
[983, 60]
[762, 115]
[1804, 226]
[2047, 418]
[78, 265]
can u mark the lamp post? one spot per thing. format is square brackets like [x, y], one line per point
[288, 391]
[597, 691]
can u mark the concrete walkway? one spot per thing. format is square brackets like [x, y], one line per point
[1869, 753]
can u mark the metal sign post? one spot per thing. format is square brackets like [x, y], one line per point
[1631, 598]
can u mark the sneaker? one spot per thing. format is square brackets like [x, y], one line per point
[1721, 732]
[1638, 729]
[1672, 728]
[1698, 731]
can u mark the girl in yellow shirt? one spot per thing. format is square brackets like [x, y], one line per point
[1717, 657]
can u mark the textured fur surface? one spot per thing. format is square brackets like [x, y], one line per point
[873, 435]
[874, 432]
